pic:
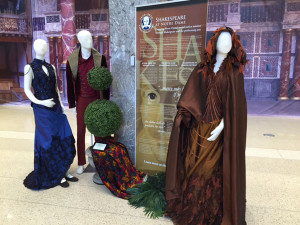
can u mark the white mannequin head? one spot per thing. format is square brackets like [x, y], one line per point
[85, 39]
[40, 47]
[224, 43]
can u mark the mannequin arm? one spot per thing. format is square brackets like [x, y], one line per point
[61, 104]
[217, 131]
[28, 76]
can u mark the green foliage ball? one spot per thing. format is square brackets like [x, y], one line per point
[99, 78]
[103, 118]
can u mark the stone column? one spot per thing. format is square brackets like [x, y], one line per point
[52, 51]
[68, 27]
[29, 18]
[285, 65]
[58, 5]
[28, 50]
[106, 50]
[60, 61]
[296, 85]
[96, 43]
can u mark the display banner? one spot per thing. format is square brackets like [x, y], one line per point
[170, 39]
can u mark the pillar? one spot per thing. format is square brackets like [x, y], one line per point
[96, 43]
[296, 84]
[52, 51]
[285, 65]
[68, 27]
[28, 50]
[106, 50]
[59, 62]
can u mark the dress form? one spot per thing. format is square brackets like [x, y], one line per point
[224, 45]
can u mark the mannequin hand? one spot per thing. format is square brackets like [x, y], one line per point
[74, 110]
[217, 131]
[48, 103]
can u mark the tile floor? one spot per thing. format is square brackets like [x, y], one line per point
[273, 178]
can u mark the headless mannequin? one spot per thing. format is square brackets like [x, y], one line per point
[224, 45]
[40, 47]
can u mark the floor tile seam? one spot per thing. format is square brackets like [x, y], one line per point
[72, 207]
[278, 151]
[21, 179]
[19, 139]
[272, 149]
[264, 157]
[273, 173]
[271, 208]
[15, 178]
[282, 116]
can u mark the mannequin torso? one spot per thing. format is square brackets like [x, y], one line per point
[40, 48]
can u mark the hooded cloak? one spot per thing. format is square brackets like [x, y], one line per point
[192, 107]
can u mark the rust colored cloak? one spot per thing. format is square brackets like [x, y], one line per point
[191, 108]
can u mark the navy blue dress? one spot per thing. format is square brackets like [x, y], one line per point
[54, 148]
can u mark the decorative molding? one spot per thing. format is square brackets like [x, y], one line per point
[9, 24]
[234, 7]
[259, 14]
[82, 21]
[293, 6]
[38, 23]
[102, 17]
[217, 13]
[53, 19]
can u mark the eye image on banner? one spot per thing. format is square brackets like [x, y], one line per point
[170, 40]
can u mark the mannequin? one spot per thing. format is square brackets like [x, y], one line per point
[205, 172]
[80, 94]
[40, 47]
[48, 112]
[224, 45]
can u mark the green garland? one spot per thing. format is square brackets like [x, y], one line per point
[99, 78]
[103, 118]
[151, 195]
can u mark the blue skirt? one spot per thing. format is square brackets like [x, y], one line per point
[54, 148]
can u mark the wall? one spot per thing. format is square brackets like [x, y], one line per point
[122, 37]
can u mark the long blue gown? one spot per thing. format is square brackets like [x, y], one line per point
[54, 148]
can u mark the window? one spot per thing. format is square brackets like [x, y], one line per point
[268, 67]
[270, 42]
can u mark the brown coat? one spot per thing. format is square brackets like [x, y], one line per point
[191, 107]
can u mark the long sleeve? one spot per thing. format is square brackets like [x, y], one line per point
[106, 93]
[70, 87]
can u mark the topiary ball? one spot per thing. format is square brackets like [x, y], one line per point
[99, 78]
[103, 118]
